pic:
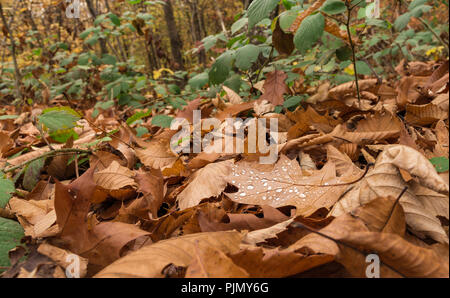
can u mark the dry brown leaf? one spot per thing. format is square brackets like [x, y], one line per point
[285, 185]
[61, 257]
[385, 180]
[151, 184]
[350, 241]
[151, 260]
[232, 96]
[349, 88]
[115, 177]
[157, 154]
[282, 41]
[374, 128]
[261, 235]
[424, 114]
[275, 263]
[210, 262]
[204, 183]
[298, 21]
[275, 87]
[408, 90]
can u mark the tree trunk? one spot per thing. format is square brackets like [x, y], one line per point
[175, 40]
[18, 76]
[94, 14]
[197, 30]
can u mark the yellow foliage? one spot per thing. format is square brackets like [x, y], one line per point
[436, 51]
[350, 70]
[158, 73]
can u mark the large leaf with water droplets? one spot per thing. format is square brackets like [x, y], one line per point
[286, 184]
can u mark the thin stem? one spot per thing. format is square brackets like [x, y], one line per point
[352, 45]
[393, 207]
[431, 30]
[265, 64]
[435, 34]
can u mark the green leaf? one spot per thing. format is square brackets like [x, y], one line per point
[344, 53]
[333, 7]
[6, 189]
[401, 22]
[309, 32]
[287, 18]
[93, 40]
[378, 23]
[440, 163]
[238, 25]
[246, 56]
[64, 135]
[32, 173]
[162, 121]
[114, 19]
[292, 102]
[6, 117]
[363, 68]
[416, 3]
[109, 59]
[86, 32]
[221, 68]
[59, 118]
[140, 131]
[199, 81]
[259, 10]
[10, 234]
[419, 10]
[137, 116]
[177, 102]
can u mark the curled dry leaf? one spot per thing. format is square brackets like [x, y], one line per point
[101, 244]
[261, 235]
[63, 257]
[205, 183]
[349, 88]
[425, 114]
[232, 96]
[157, 154]
[36, 217]
[117, 181]
[250, 222]
[261, 262]
[374, 128]
[422, 208]
[151, 184]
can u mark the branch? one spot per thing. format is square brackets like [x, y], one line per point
[48, 154]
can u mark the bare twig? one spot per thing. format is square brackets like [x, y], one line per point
[297, 224]
[393, 207]
[48, 154]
